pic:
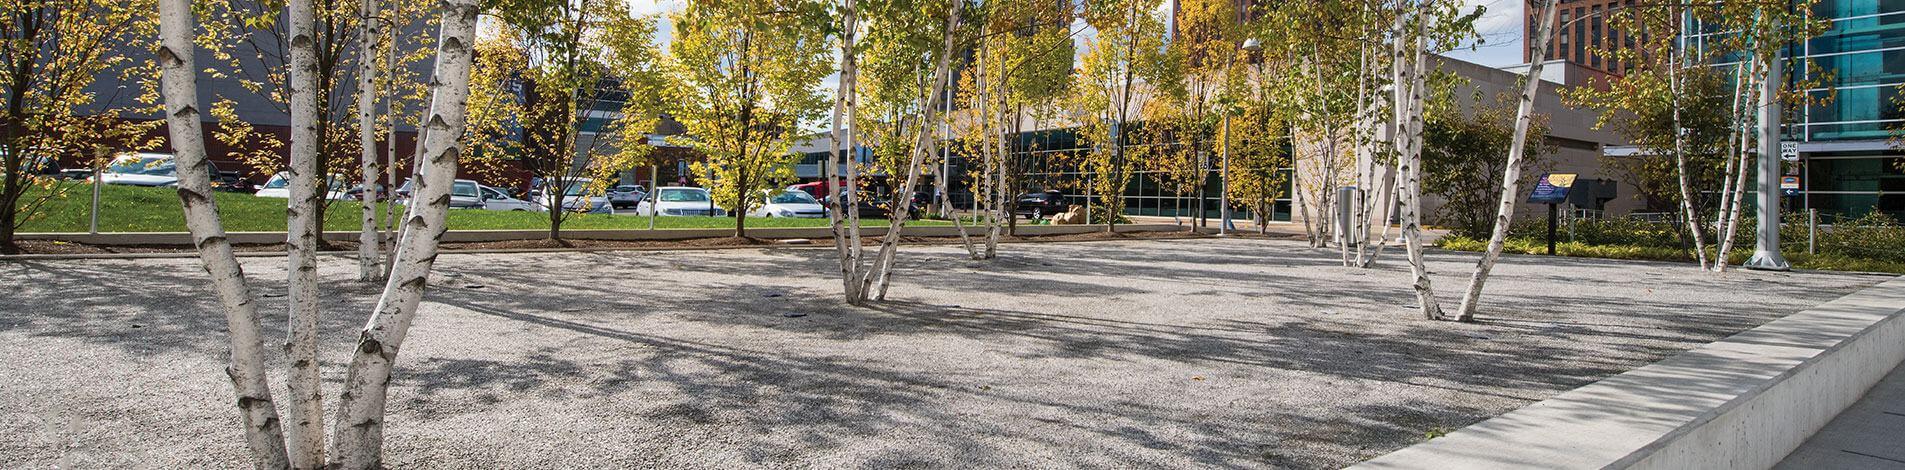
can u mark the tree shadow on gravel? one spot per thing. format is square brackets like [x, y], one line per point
[1529, 344]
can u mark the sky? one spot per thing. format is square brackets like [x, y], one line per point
[1500, 28]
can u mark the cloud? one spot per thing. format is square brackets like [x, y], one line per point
[1500, 28]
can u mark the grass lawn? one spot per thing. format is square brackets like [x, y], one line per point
[136, 209]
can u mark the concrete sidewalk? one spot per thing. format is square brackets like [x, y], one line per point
[1869, 435]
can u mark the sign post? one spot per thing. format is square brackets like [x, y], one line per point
[1552, 189]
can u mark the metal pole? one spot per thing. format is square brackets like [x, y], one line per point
[1766, 255]
[1553, 214]
[1223, 178]
[654, 191]
[1812, 231]
[95, 211]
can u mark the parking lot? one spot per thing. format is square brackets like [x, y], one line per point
[1183, 353]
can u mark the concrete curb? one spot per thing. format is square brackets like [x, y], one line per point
[951, 238]
[1743, 402]
[184, 239]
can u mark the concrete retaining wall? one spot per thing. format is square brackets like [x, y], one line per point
[249, 238]
[1740, 403]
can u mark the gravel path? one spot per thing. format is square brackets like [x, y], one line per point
[1189, 353]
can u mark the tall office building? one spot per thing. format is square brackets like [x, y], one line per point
[1582, 35]
[1850, 166]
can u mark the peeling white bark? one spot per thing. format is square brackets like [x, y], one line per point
[1511, 174]
[360, 422]
[301, 240]
[369, 261]
[250, 382]
[1412, 180]
[843, 218]
[879, 278]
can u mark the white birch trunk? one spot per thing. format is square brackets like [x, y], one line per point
[1511, 174]
[1736, 198]
[881, 275]
[844, 242]
[250, 382]
[1680, 156]
[307, 188]
[944, 186]
[1412, 177]
[360, 422]
[1736, 138]
[369, 261]
[1000, 213]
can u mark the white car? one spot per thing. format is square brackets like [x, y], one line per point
[464, 194]
[789, 203]
[141, 169]
[676, 201]
[279, 186]
[498, 200]
[573, 199]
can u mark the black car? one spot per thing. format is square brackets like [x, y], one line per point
[869, 208]
[1039, 205]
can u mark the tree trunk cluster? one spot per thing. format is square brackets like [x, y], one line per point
[358, 427]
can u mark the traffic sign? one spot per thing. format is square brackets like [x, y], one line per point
[1789, 150]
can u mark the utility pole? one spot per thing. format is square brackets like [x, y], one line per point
[1223, 179]
[1766, 256]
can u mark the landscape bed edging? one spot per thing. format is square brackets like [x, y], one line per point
[1743, 402]
[184, 239]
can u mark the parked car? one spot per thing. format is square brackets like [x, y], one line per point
[464, 194]
[675, 201]
[141, 169]
[279, 186]
[627, 196]
[789, 203]
[867, 207]
[495, 199]
[573, 198]
[1038, 205]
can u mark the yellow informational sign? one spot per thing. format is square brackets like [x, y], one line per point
[1561, 180]
[1552, 188]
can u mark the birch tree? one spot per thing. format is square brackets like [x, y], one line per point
[179, 86]
[866, 278]
[1020, 70]
[369, 240]
[879, 275]
[842, 157]
[749, 71]
[1761, 32]
[358, 439]
[1511, 174]
[1673, 107]
[1424, 26]
[303, 229]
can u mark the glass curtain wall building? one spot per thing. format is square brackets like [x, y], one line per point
[1849, 165]
[1052, 159]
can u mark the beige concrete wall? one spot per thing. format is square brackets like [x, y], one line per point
[1743, 402]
